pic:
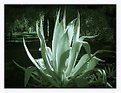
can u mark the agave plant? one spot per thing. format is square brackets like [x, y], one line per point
[59, 64]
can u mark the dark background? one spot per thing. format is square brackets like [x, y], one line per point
[94, 19]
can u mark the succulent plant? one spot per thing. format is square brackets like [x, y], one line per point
[59, 64]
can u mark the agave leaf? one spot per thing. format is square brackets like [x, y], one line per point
[28, 73]
[39, 31]
[86, 64]
[34, 77]
[79, 65]
[46, 75]
[29, 55]
[50, 57]
[57, 20]
[24, 69]
[77, 29]
[91, 64]
[84, 37]
[74, 53]
[19, 66]
[87, 47]
[44, 52]
[63, 59]
[49, 52]
[41, 63]
[98, 59]
[64, 19]
[57, 35]
[45, 56]
[73, 56]
[41, 25]
[102, 51]
[63, 46]
[70, 30]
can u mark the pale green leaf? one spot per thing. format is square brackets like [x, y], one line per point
[56, 35]
[49, 53]
[77, 29]
[29, 55]
[73, 56]
[41, 25]
[63, 59]
[64, 19]
[102, 51]
[44, 51]
[45, 55]
[89, 37]
[91, 64]
[59, 30]
[70, 30]
[28, 73]
[87, 47]
[41, 63]
[79, 65]
[63, 45]
[85, 64]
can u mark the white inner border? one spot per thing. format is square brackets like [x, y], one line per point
[118, 25]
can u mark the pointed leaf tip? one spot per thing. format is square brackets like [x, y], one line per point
[29, 54]
[28, 73]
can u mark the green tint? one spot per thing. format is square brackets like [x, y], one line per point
[60, 65]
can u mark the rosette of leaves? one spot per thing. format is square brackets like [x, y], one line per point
[59, 65]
